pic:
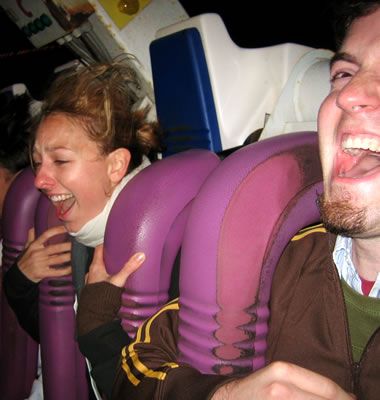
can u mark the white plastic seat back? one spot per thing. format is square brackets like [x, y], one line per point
[248, 83]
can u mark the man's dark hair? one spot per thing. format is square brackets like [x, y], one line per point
[345, 12]
[15, 125]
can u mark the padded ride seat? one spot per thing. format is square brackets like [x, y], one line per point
[246, 212]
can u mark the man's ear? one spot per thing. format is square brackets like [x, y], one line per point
[117, 164]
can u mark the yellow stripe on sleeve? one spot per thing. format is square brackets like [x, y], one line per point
[173, 305]
[128, 372]
[307, 231]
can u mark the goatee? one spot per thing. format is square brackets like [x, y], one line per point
[341, 218]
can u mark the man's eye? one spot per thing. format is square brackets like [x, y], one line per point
[60, 162]
[340, 75]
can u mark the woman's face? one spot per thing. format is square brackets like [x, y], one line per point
[71, 171]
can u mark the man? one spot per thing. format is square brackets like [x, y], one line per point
[324, 333]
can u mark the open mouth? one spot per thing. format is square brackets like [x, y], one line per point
[360, 157]
[63, 204]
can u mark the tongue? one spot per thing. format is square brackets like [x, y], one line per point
[364, 166]
[64, 206]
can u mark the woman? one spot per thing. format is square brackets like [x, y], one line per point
[89, 142]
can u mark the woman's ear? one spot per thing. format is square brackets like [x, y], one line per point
[117, 164]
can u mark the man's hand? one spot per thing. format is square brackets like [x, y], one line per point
[39, 261]
[98, 272]
[282, 381]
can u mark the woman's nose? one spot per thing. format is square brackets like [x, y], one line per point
[44, 178]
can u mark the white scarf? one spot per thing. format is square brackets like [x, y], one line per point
[92, 232]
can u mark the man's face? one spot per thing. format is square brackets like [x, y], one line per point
[349, 133]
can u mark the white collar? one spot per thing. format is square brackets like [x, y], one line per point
[92, 232]
[342, 256]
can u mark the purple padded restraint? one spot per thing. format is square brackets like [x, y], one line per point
[246, 212]
[149, 215]
[18, 354]
[63, 366]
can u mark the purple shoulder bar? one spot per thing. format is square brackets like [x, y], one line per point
[246, 212]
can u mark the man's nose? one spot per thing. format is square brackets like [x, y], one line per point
[361, 94]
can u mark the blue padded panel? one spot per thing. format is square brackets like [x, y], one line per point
[183, 94]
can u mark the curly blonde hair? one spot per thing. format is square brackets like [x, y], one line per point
[101, 97]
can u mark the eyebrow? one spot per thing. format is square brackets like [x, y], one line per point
[342, 56]
[50, 149]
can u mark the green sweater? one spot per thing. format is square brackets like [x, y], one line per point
[363, 317]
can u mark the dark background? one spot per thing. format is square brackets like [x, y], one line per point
[249, 23]
[256, 24]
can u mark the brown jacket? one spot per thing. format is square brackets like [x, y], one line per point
[308, 327]
[308, 324]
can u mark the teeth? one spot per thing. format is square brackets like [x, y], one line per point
[353, 152]
[373, 146]
[357, 143]
[60, 197]
[349, 144]
[365, 144]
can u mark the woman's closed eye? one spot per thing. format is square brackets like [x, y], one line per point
[60, 162]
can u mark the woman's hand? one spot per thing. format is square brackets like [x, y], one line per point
[99, 303]
[98, 272]
[39, 261]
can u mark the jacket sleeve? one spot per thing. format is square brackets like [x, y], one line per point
[23, 297]
[149, 367]
[100, 334]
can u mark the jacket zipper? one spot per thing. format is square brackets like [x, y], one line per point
[356, 369]
[355, 366]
